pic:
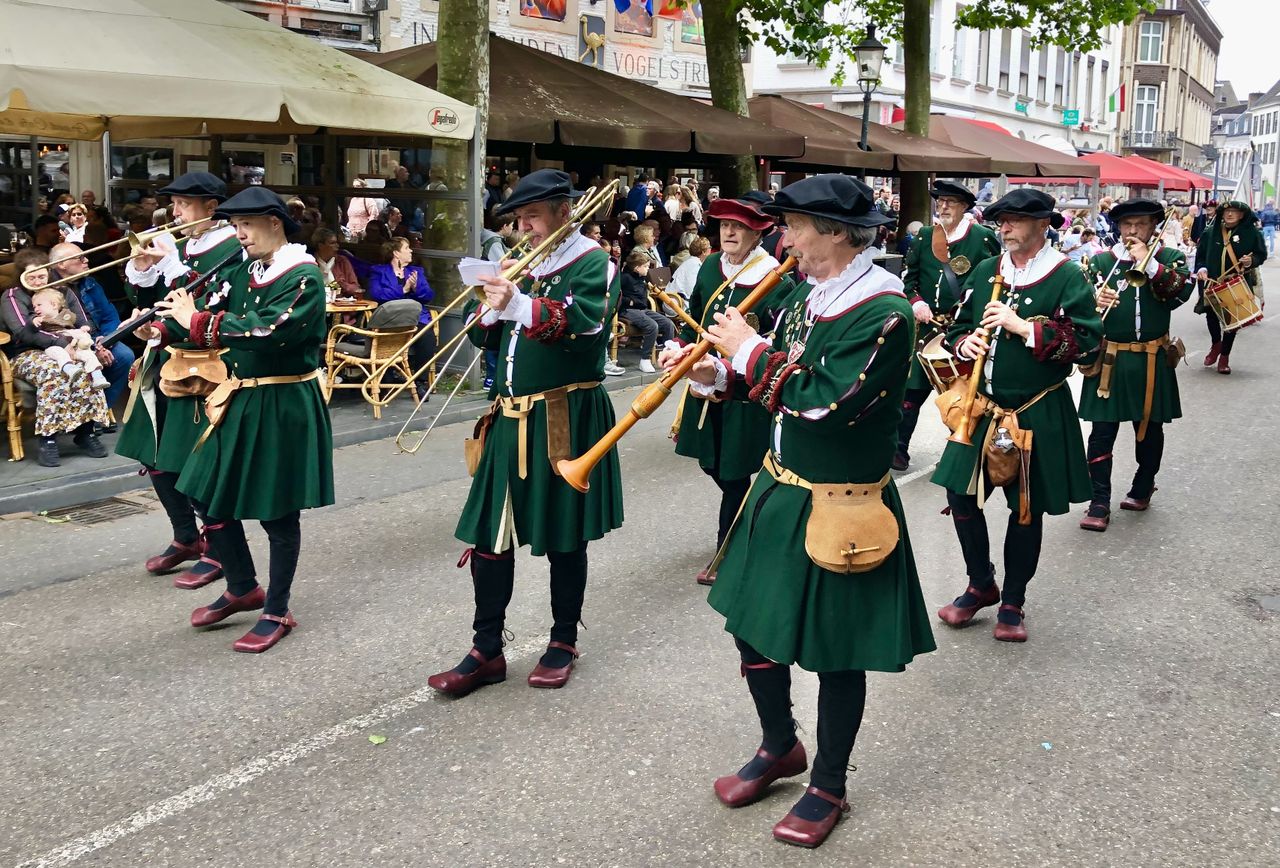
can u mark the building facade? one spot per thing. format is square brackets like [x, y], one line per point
[354, 25]
[1169, 67]
[994, 76]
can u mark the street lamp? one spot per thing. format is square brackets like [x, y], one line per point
[869, 54]
[1219, 139]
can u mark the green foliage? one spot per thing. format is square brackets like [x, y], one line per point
[824, 34]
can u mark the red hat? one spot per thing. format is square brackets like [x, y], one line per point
[742, 212]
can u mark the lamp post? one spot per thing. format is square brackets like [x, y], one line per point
[869, 54]
[1219, 139]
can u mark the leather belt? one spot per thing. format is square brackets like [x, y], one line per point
[1108, 366]
[519, 407]
[790, 477]
[215, 406]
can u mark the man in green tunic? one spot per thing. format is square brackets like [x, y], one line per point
[936, 264]
[1131, 379]
[1044, 322]
[551, 334]
[1230, 244]
[267, 453]
[159, 431]
[728, 436]
[801, 584]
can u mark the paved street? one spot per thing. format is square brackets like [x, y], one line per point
[1139, 726]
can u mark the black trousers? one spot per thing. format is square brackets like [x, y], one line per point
[1021, 548]
[842, 698]
[284, 536]
[1148, 451]
[493, 580]
[732, 491]
[177, 506]
[419, 351]
[911, 404]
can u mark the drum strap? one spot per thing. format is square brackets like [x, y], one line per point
[1151, 348]
[1228, 251]
[942, 253]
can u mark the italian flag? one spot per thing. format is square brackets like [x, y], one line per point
[1115, 103]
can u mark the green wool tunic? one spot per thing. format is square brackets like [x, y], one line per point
[575, 295]
[1211, 252]
[1054, 293]
[837, 422]
[159, 431]
[273, 453]
[729, 437]
[1140, 315]
[924, 281]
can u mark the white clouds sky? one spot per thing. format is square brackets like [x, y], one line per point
[1250, 35]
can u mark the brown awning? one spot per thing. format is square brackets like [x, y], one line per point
[831, 139]
[1009, 154]
[543, 98]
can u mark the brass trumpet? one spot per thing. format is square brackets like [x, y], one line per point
[137, 241]
[1137, 276]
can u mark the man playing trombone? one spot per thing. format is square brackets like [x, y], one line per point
[551, 334]
[1133, 377]
[159, 431]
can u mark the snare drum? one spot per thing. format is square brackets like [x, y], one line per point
[940, 366]
[1233, 302]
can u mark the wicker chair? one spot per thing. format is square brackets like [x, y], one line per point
[624, 331]
[391, 327]
[14, 404]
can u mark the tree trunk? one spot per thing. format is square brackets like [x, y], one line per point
[462, 46]
[917, 94]
[728, 87]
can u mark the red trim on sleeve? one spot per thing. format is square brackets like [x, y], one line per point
[751, 363]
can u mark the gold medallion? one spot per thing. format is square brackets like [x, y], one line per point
[961, 264]
[753, 320]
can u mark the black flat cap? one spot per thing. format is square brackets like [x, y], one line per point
[835, 197]
[257, 202]
[758, 198]
[540, 186]
[1135, 208]
[197, 185]
[1028, 203]
[957, 191]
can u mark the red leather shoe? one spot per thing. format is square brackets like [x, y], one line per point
[1135, 504]
[958, 616]
[252, 643]
[544, 676]
[1012, 632]
[204, 616]
[736, 792]
[1212, 356]
[1097, 518]
[705, 579]
[1223, 366]
[194, 577]
[177, 553]
[457, 684]
[808, 833]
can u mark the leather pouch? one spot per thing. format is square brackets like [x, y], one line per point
[951, 404]
[850, 530]
[1174, 352]
[192, 372]
[557, 407]
[1095, 367]
[473, 446]
[1005, 467]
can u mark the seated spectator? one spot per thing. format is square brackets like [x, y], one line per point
[137, 219]
[912, 233]
[678, 246]
[398, 278]
[673, 204]
[102, 315]
[73, 350]
[63, 405]
[498, 239]
[375, 232]
[1088, 245]
[77, 218]
[646, 241]
[634, 307]
[337, 269]
[687, 274]
[161, 217]
[393, 218]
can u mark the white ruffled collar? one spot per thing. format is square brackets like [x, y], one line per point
[858, 281]
[962, 228]
[209, 239]
[1040, 266]
[287, 257]
[568, 251]
[760, 262]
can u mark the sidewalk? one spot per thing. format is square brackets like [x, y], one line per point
[25, 486]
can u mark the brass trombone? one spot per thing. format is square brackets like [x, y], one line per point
[587, 205]
[136, 241]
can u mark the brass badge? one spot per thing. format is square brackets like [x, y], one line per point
[961, 264]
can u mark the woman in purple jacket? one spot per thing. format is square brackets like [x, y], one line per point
[399, 278]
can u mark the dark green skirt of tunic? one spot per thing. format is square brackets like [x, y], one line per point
[792, 611]
[730, 441]
[548, 514]
[1128, 391]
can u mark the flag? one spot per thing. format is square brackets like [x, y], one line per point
[671, 9]
[624, 5]
[1115, 102]
[1243, 191]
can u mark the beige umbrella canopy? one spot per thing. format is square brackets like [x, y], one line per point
[158, 68]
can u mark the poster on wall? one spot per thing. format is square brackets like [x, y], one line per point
[552, 10]
[691, 24]
[634, 16]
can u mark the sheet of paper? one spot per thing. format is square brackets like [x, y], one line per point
[472, 269]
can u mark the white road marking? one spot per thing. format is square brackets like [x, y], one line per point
[914, 475]
[239, 776]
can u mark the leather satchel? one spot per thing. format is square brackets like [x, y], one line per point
[1004, 467]
[1174, 352]
[850, 530]
[951, 405]
[473, 446]
[192, 372]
